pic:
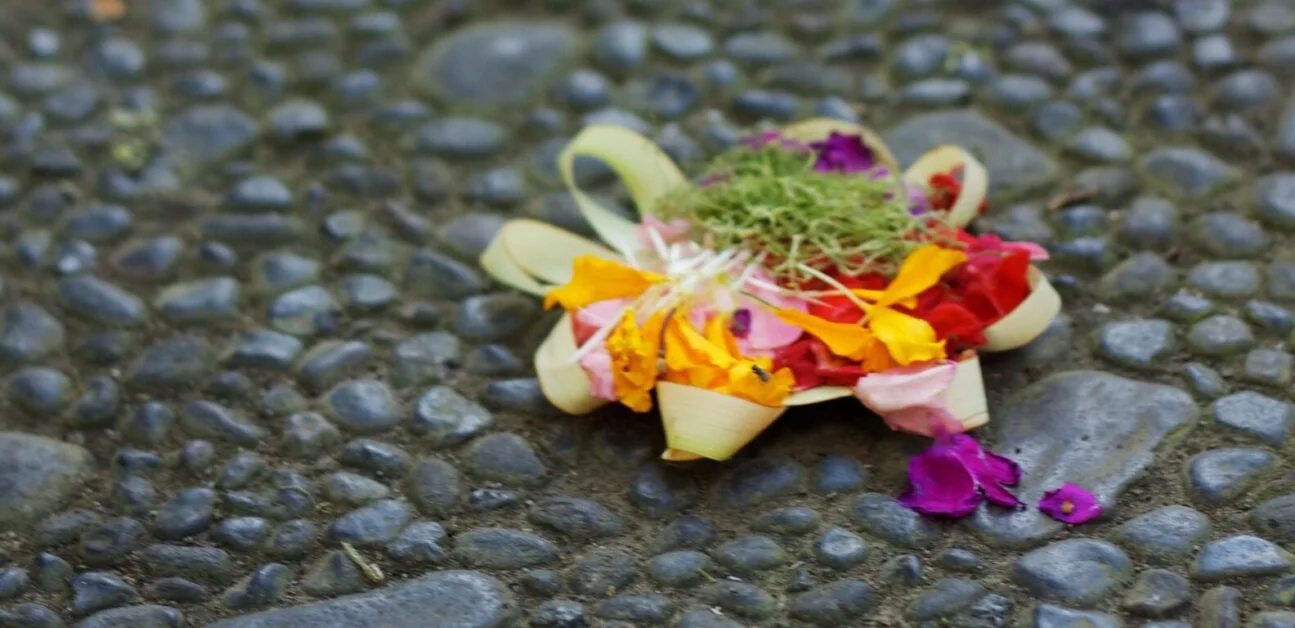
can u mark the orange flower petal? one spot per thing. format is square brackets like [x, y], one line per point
[595, 279]
[634, 352]
[844, 339]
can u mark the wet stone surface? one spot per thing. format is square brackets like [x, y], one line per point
[241, 319]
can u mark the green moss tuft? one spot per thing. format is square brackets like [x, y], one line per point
[771, 200]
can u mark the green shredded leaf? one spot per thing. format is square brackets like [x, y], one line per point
[771, 200]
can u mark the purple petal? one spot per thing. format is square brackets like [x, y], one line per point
[846, 154]
[1000, 496]
[940, 485]
[1070, 504]
[986, 466]
[741, 323]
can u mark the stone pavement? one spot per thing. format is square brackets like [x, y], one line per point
[240, 321]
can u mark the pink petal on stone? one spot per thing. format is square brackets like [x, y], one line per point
[598, 366]
[1070, 504]
[939, 484]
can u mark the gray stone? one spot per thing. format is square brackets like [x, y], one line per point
[840, 548]
[1139, 344]
[750, 554]
[1275, 518]
[1255, 415]
[1164, 536]
[28, 333]
[202, 301]
[497, 64]
[1075, 571]
[207, 134]
[1092, 429]
[1188, 173]
[678, 569]
[1240, 557]
[365, 406]
[1014, 164]
[1219, 476]
[946, 598]
[758, 482]
[1049, 616]
[884, 517]
[420, 542]
[1220, 335]
[507, 458]
[37, 476]
[500, 548]
[1225, 280]
[448, 599]
[372, 525]
[147, 616]
[101, 302]
[444, 418]
[601, 572]
[833, 604]
[1156, 593]
[577, 518]
[333, 574]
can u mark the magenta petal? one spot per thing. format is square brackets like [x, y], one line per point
[1070, 504]
[845, 154]
[987, 466]
[940, 485]
[1000, 496]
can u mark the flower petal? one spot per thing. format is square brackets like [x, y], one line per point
[908, 338]
[939, 484]
[597, 364]
[595, 279]
[920, 270]
[1070, 504]
[906, 387]
[847, 340]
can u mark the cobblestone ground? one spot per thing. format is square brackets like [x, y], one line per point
[241, 324]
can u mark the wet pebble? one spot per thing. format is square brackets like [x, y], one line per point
[1165, 535]
[1079, 571]
[1222, 475]
[372, 525]
[750, 554]
[1240, 556]
[504, 549]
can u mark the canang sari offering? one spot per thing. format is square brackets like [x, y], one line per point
[801, 266]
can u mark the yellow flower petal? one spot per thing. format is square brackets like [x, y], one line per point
[595, 279]
[907, 338]
[635, 352]
[718, 333]
[920, 270]
[762, 386]
[847, 340]
[686, 348]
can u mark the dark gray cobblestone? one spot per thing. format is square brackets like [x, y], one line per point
[241, 323]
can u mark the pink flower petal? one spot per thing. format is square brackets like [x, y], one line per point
[600, 314]
[598, 366]
[676, 229]
[906, 387]
[766, 330]
[1070, 504]
[939, 484]
[923, 420]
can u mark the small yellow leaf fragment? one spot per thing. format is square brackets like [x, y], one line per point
[370, 570]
